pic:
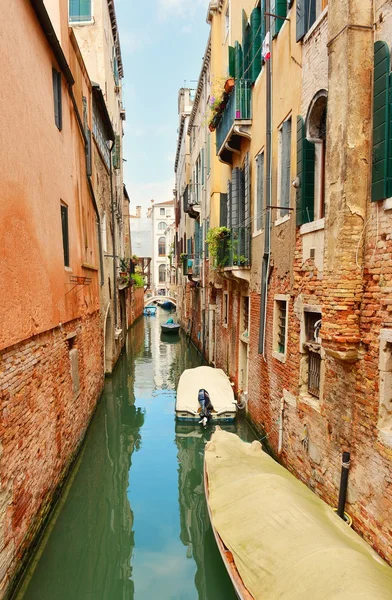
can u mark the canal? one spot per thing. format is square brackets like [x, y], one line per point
[132, 522]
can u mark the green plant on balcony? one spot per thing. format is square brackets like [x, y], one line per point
[138, 280]
[217, 101]
[124, 265]
[215, 240]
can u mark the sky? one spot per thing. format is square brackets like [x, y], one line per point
[162, 47]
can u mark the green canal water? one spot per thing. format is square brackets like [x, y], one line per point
[132, 522]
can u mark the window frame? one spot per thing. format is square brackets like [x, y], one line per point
[279, 299]
[65, 233]
[73, 21]
[161, 211]
[159, 246]
[225, 309]
[57, 98]
[160, 272]
[282, 177]
[162, 228]
[259, 201]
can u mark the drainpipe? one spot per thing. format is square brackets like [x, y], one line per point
[113, 240]
[343, 484]
[280, 442]
[268, 189]
[90, 186]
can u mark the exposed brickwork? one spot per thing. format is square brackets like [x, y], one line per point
[42, 424]
[136, 304]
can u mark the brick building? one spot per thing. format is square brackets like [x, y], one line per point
[299, 287]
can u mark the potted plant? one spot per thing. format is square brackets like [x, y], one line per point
[215, 240]
[229, 85]
[124, 267]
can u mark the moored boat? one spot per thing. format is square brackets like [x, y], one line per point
[277, 539]
[150, 310]
[220, 392]
[170, 327]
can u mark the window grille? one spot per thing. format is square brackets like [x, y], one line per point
[281, 338]
[64, 228]
[58, 118]
[314, 373]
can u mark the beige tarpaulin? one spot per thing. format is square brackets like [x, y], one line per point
[286, 542]
[215, 381]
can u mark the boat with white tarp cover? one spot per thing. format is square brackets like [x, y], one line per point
[277, 538]
[218, 387]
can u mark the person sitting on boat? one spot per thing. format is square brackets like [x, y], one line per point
[206, 406]
[170, 321]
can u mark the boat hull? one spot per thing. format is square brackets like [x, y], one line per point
[150, 311]
[239, 588]
[227, 417]
[170, 329]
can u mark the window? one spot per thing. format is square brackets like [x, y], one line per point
[280, 327]
[258, 226]
[117, 153]
[227, 20]
[382, 131]
[313, 347]
[385, 386]
[162, 273]
[284, 167]
[308, 11]
[162, 226]
[64, 228]
[225, 313]
[58, 117]
[278, 7]
[161, 211]
[162, 246]
[104, 233]
[79, 11]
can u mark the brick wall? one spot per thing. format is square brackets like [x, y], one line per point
[43, 421]
[136, 304]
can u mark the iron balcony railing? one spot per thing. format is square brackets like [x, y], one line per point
[234, 250]
[238, 108]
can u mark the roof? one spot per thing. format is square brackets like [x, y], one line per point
[200, 83]
[215, 381]
[164, 203]
[116, 36]
[285, 541]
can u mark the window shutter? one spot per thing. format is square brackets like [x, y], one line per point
[231, 61]
[223, 211]
[207, 228]
[255, 55]
[229, 203]
[245, 221]
[278, 7]
[286, 165]
[235, 197]
[239, 65]
[208, 153]
[305, 173]
[202, 166]
[56, 79]
[262, 27]
[260, 191]
[380, 121]
[117, 153]
[246, 44]
[85, 10]
[88, 153]
[64, 227]
[306, 16]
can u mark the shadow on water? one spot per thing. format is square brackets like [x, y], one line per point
[133, 521]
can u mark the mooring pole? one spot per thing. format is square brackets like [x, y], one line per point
[343, 484]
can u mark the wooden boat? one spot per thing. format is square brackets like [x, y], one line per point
[170, 327]
[277, 539]
[150, 310]
[219, 388]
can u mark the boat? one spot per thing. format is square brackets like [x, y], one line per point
[219, 388]
[277, 538]
[150, 310]
[170, 327]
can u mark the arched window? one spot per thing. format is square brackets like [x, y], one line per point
[162, 273]
[316, 133]
[162, 246]
[162, 226]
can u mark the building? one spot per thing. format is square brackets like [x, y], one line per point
[295, 275]
[51, 342]
[161, 215]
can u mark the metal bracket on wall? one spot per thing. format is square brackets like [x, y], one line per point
[78, 280]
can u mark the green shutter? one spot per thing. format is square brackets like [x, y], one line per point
[202, 166]
[260, 191]
[223, 211]
[255, 55]
[305, 173]
[117, 153]
[239, 65]
[208, 153]
[262, 19]
[278, 7]
[231, 61]
[306, 16]
[380, 121]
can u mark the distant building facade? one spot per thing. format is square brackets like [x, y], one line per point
[162, 216]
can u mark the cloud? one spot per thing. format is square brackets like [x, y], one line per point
[142, 193]
[182, 9]
[133, 42]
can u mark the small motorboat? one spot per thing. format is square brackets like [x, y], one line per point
[170, 327]
[150, 310]
[277, 538]
[220, 393]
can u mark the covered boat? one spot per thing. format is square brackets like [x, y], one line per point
[220, 391]
[170, 327]
[150, 310]
[277, 538]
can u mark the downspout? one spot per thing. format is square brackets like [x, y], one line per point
[113, 241]
[90, 185]
[268, 189]
[280, 440]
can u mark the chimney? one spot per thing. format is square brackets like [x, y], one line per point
[138, 212]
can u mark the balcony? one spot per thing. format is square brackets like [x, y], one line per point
[191, 202]
[236, 121]
[234, 253]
